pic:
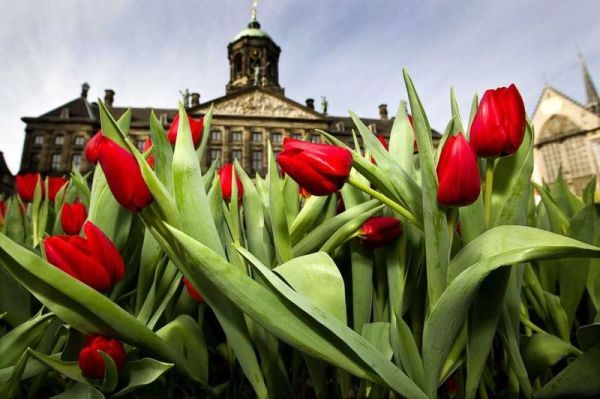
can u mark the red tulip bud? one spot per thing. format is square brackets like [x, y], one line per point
[54, 186]
[92, 148]
[123, 175]
[192, 291]
[26, 186]
[93, 260]
[91, 361]
[3, 208]
[321, 169]
[458, 173]
[499, 124]
[72, 217]
[377, 232]
[383, 141]
[196, 126]
[225, 175]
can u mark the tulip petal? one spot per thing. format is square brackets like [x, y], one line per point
[103, 249]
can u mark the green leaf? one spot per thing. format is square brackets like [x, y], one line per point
[401, 140]
[68, 369]
[307, 217]
[362, 284]
[317, 277]
[346, 340]
[10, 388]
[589, 335]
[315, 239]
[163, 153]
[500, 246]
[378, 334]
[542, 351]
[80, 391]
[16, 341]
[184, 335]
[580, 378]
[281, 233]
[111, 374]
[512, 176]
[436, 231]
[348, 230]
[406, 350]
[142, 372]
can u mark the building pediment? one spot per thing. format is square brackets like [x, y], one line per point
[258, 103]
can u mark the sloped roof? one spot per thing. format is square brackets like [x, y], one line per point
[558, 92]
[78, 108]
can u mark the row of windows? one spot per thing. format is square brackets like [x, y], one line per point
[56, 161]
[257, 137]
[576, 154]
[58, 140]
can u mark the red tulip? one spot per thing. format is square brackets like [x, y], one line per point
[303, 192]
[499, 124]
[54, 186]
[93, 260]
[383, 141]
[192, 291]
[226, 187]
[377, 232]
[72, 217]
[122, 173]
[196, 126]
[321, 169]
[92, 148]
[91, 361]
[458, 173]
[3, 208]
[26, 186]
[147, 147]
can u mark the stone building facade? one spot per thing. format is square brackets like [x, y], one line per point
[567, 135]
[253, 111]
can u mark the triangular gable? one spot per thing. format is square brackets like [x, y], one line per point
[78, 108]
[257, 102]
[553, 91]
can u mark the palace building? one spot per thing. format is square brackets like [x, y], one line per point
[253, 111]
[567, 135]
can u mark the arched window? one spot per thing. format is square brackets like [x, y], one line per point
[558, 125]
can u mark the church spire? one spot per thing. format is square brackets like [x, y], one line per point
[591, 94]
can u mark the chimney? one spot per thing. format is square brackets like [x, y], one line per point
[195, 99]
[310, 103]
[109, 97]
[84, 90]
[383, 113]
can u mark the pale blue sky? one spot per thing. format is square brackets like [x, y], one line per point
[351, 51]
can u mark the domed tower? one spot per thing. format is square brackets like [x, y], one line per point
[253, 59]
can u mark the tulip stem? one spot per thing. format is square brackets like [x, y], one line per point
[404, 213]
[487, 193]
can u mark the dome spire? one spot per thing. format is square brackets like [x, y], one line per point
[254, 7]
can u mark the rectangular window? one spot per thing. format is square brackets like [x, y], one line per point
[257, 157]
[59, 140]
[315, 139]
[579, 164]
[35, 160]
[236, 154]
[297, 136]
[276, 138]
[257, 137]
[79, 140]
[214, 155]
[552, 160]
[77, 160]
[56, 159]
[215, 135]
[236, 136]
[38, 140]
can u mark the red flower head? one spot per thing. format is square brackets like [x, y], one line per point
[383, 141]
[91, 361]
[3, 208]
[225, 175]
[26, 185]
[123, 175]
[72, 217]
[147, 147]
[54, 186]
[93, 260]
[458, 173]
[192, 291]
[499, 124]
[377, 232]
[321, 169]
[92, 148]
[196, 126]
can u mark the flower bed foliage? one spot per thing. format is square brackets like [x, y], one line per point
[366, 272]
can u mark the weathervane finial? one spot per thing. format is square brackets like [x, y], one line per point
[254, 7]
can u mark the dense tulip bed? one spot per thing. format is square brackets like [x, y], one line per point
[370, 272]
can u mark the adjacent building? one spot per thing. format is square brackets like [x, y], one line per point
[253, 111]
[567, 135]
